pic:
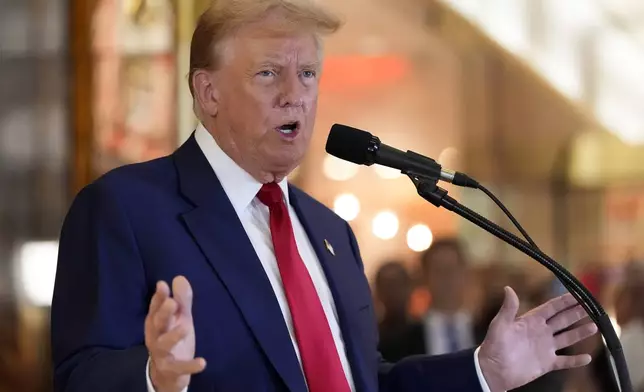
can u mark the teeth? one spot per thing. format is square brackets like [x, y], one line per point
[287, 129]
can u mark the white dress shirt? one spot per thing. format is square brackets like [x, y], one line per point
[241, 188]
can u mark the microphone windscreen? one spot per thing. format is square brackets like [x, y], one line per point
[349, 144]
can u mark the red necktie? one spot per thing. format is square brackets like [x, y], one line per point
[320, 361]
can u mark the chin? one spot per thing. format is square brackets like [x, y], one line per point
[285, 169]
[287, 157]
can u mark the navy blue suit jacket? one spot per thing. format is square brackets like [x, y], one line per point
[153, 221]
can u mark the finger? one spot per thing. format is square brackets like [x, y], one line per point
[160, 295]
[164, 317]
[576, 335]
[510, 305]
[162, 292]
[166, 342]
[555, 306]
[182, 292]
[571, 361]
[567, 318]
[181, 368]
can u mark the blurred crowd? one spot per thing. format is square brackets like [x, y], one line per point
[442, 304]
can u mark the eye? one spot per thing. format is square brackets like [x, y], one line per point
[266, 74]
[309, 74]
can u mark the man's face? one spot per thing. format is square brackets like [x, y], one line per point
[267, 98]
[447, 278]
[394, 289]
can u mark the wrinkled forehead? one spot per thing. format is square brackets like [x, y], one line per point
[273, 38]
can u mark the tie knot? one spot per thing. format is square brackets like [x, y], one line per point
[270, 194]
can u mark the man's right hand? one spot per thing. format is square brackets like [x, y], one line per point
[170, 337]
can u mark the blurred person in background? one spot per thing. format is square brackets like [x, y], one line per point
[448, 325]
[400, 334]
[420, 298]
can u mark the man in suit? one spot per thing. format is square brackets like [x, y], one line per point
[447, 327]
[267, 289]
[401, 335]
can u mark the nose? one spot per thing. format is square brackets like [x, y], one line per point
[291, 92]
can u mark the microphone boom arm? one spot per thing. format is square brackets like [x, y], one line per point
[429, 190]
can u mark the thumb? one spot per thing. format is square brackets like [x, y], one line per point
[510, 307]
[182, 293]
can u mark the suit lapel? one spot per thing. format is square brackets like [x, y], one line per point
[322, 238]
[217, 230]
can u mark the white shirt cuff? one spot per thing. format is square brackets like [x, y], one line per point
[147, 377]
[149, 381]
[479, 373]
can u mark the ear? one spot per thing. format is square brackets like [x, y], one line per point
[206, 91]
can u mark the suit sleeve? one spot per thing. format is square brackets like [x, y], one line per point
[100, 299]
[422, 373]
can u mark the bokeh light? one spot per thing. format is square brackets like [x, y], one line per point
[419, 238]
[385, 225]
[347, 206]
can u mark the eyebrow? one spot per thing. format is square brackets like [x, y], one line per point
[269, 63]
[313, 64]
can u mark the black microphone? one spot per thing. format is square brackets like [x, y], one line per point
[363, 148]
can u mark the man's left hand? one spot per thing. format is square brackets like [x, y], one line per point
[518, 350]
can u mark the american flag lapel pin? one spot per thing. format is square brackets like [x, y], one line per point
[329, 247]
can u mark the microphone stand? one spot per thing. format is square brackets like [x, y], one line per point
[428, 189]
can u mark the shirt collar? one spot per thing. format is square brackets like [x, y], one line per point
[240, 187]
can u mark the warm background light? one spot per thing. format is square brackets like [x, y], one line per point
[352, 72]
[448, 157]
[347, 206]
[387, 173]
[419, 238]
[338, 170]
[385, 225]
[36, 262]
[294, 174]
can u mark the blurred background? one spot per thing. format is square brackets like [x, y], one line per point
[540, 100]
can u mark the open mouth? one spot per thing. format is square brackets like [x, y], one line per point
[289, 129]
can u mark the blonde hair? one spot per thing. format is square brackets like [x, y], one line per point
[223, 17]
